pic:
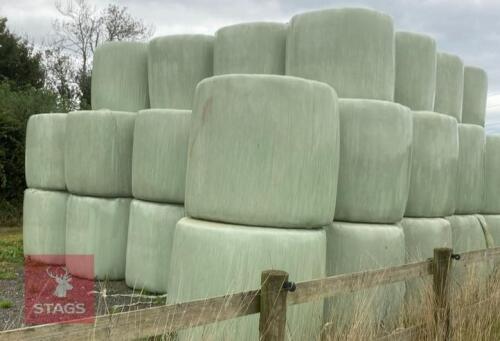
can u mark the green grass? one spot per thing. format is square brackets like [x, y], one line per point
[5, 304]
[11, 254]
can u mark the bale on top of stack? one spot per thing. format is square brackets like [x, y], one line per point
[44, 206]
[352, 50]
[257, 48]
[262, 166]
[176, 64]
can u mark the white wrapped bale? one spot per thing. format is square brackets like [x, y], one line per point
[159, 158]
[44, 157]
[98, 153]
[449, 85]
[352, 49]
[415, 71]
[353, 247]
[97, 227]
[260, 147]
[120, 76]
[175, 65]
[470, 178]
[213, 259]
[468, 235]
[434, 166]
[475, 95]
[44, 225]
[375, 161]
[493, 223]
[422, 236]
[257, 48]
[491, 203]
[150, 237]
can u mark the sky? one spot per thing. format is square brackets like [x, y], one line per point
[468, 28]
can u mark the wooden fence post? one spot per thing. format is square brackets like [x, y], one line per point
[442, 266]
[272, 321]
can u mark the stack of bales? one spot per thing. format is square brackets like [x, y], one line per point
[44, 212]
[353, 51]
[434, 155]
[453, 95]
[261, 180]
[175, 65]
[98, 161]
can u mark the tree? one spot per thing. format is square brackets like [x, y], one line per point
[19, 64]
[84, 27]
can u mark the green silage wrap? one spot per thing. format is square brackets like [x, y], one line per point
[422, 236]
[493, 223]
[98, 153]
[415, 71]
[475, 95]
[375, 161]
[159, 159]
[263, 151]
[97, 227]
[44, 156]
[449, 85]
[434, 166]
[257, 48]
[470, 178]
[352, 49]
[213, 259]
[150, 238]
[176, 64]
[44, 225]
[468, 235]
[120, 76]
[353, 247]
[491, 203]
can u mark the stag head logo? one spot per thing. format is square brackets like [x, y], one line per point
[63, 285]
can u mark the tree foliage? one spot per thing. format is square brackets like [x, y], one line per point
[84, 27]
[19, 64]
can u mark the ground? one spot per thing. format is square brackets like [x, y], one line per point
[112, 296]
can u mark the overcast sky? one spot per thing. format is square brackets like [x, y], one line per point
[469, 28]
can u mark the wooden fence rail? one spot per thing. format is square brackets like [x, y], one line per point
[270, 301]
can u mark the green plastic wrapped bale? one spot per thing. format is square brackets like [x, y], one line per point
[44, 225]
[475, 96]
[493, 223]
[470, 178]
[434, 166]
[422, 236]
[468, 235]
[375, 161]
[263, 151]
[97, 227]
[44, 156]
[120, 76]
[415, 71]
[159, 159]
[98, 153]
[492, 175]
[214, 259]
[353, 247]
[176, 64]
[150, 237]
[250, 48]
[449, 85]
[352, 49]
